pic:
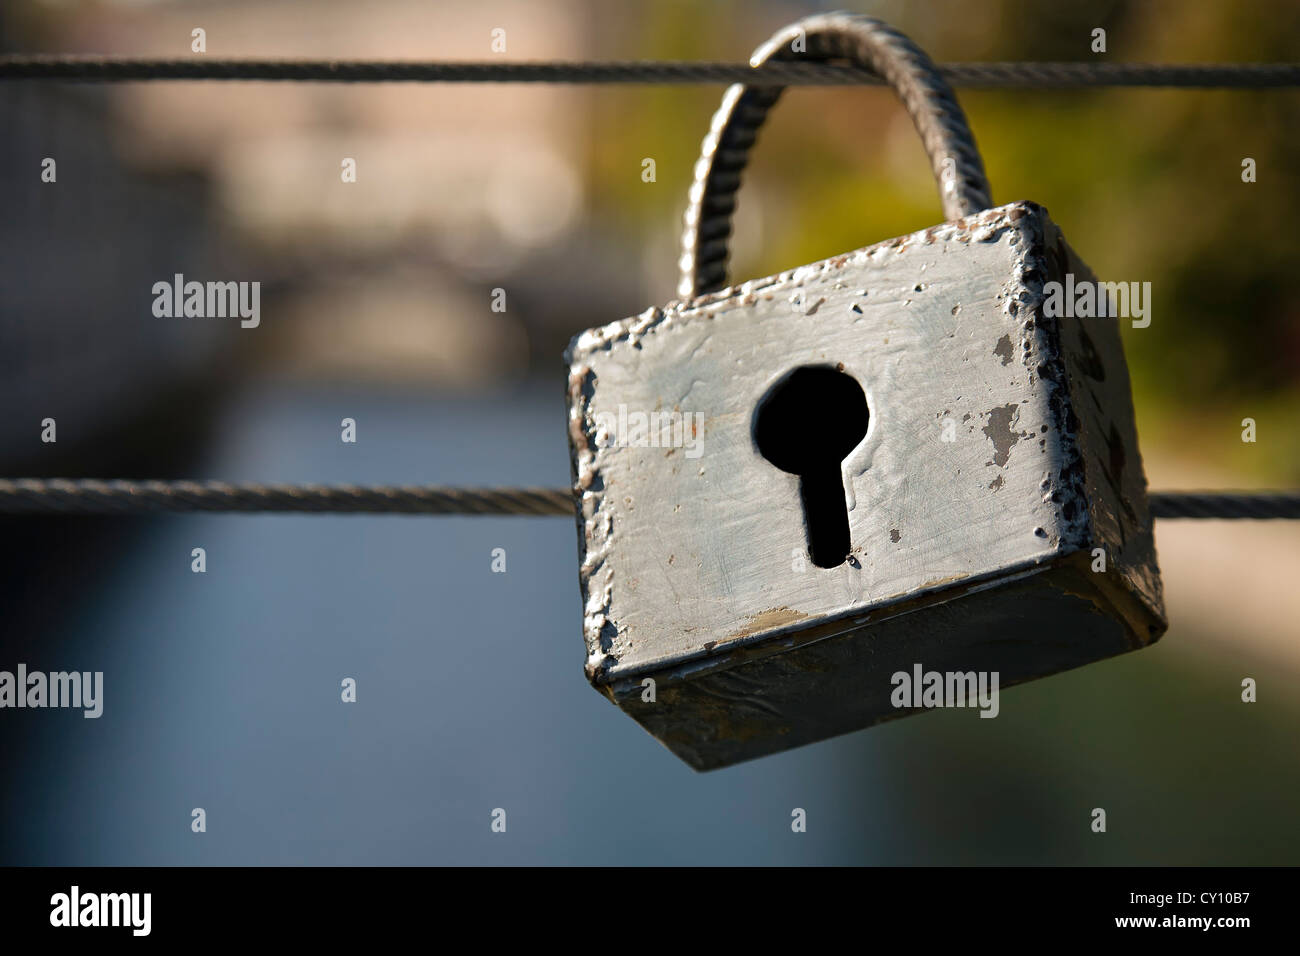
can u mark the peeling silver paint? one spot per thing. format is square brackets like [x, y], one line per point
[1000, 432]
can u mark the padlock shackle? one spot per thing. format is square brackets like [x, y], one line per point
[861, 41]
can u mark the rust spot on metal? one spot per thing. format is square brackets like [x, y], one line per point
[940, 582]
[769, 620]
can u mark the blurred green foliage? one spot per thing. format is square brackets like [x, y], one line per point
[1145, 183]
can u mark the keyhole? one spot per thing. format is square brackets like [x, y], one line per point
[806, 425]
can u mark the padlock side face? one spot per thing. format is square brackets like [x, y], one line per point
[978, 468]
[1104, 467]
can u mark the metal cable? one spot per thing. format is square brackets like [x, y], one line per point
[110, 69]
[1225, 504]
[92, 496]
[863, 41]
[89, 496]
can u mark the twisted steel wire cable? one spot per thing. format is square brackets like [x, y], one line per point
[864, 42]
[89, 496]
[1225, 504]
[93, 496]
[1015, 75]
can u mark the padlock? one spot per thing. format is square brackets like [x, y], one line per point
[799, 492]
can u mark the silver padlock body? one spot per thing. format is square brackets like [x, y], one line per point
[1000, 455]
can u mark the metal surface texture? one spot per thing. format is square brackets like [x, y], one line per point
[976, 549]
[860, 41]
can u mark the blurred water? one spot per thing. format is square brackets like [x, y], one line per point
[223, 688]
[223, 692]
